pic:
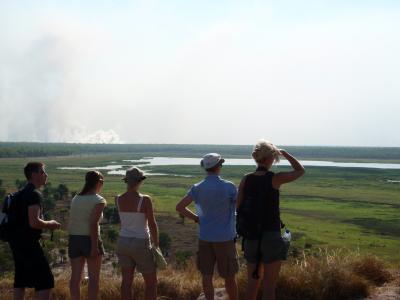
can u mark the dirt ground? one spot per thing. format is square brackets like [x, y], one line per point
[387, 292]
[183, 235]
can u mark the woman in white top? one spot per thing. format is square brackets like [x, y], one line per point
[138, 225]
[84, 243]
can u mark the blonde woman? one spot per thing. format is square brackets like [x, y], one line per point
[269, 249]
[84, 244]
[138, 225]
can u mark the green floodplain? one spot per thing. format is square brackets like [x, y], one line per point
[340, 209]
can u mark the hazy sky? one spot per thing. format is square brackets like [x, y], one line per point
[229, 72]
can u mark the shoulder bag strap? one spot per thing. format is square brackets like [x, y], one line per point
[140, 204]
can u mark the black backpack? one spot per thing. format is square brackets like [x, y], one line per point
[8, 223]
[250, 216]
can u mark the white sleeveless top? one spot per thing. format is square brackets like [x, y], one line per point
[134, 224]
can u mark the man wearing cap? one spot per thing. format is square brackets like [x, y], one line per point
[214, 199]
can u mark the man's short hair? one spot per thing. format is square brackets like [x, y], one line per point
[213, 169]
[32, 167]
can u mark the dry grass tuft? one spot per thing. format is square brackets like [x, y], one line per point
[372, 269]
[317, 279]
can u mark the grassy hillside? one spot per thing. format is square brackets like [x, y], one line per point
[336, 215]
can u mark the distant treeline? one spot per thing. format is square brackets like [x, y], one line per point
[26, 149]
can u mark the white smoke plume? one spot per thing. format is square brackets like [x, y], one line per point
[79, 134]
[40, 95]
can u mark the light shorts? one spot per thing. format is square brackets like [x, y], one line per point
[222, 253]
[136, 253]
[273, 248]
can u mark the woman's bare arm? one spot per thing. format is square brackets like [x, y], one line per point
[285, 177]
[94, 228]
[151, 220]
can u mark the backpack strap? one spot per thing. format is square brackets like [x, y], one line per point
[140, 204]
[282, 224]
[6, 204]
[255, 274]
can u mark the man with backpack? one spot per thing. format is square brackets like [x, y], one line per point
[25, 225]
[215, 201]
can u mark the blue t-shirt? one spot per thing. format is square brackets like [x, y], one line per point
[215, 202]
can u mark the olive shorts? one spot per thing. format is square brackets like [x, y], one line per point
[222, 253]
[273, 248]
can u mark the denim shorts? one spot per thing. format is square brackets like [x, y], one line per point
[273, 248]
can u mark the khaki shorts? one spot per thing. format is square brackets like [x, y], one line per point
[222, 253]
[136, 253]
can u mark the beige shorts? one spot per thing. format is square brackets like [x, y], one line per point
[136, 253]
[222, 253]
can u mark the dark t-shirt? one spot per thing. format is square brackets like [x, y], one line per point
[28, 196]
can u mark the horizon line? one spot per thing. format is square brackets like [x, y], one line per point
[192, 144]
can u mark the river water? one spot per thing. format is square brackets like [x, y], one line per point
[118, 169]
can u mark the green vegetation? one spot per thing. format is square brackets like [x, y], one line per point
[351, 208]
[2, 190]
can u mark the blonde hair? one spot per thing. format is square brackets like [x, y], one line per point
[263, 150]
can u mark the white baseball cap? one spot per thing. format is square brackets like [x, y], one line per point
[211, 160]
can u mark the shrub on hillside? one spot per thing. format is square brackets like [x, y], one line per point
[6, 261]
[165, 242]
[372, 269]
[182, 258]
[315, 279]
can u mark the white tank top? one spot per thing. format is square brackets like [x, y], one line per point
[134, 224]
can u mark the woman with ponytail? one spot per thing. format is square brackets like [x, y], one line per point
[84, 244]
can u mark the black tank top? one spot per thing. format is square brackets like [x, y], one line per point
[257, 185]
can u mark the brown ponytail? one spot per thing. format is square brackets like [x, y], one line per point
[92, 178]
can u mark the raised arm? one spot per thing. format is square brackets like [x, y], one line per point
[285, 177]
[151, 221]
[94, 228]
[182, 205]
